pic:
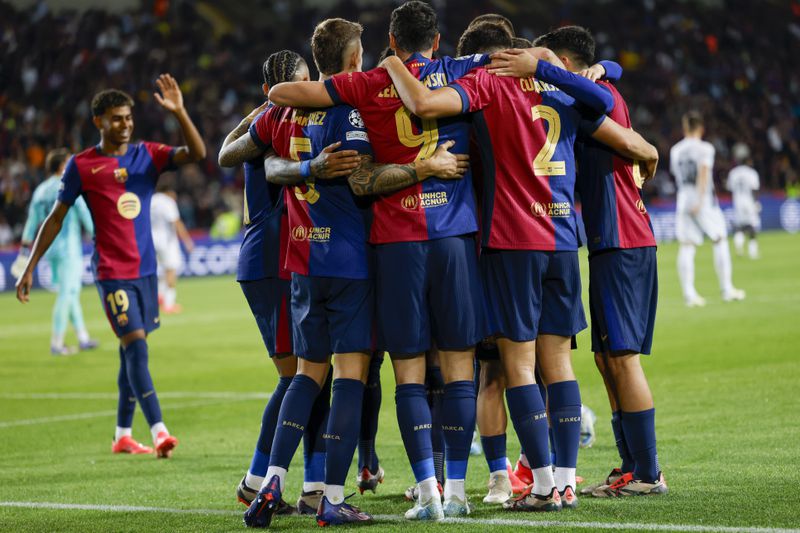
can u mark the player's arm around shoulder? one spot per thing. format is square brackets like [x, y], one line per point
[424, 103]
[630, 144]
[328, 164]
[300, 94]
[171, 99]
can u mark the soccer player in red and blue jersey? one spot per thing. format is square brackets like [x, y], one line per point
[623, 284]
[117, 178]
[427, 281]
[526, 131]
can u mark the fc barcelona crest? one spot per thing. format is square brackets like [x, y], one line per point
[121, 175]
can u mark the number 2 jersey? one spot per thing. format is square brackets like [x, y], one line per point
[117, 190]
[525, 133]
[328, 224]
[434, 208]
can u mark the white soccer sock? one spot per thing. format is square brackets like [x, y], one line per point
[454, 487]
[83, 336]
[524, 460]
[311, 486]
[738, 242]
[253, 481]
[162, 286]
[686, 270]
[122, 432]
[57, 340]
[503, 472]
[752, 248]
[157, 428]
[543, 481]
[275, 471]
[334, 493]
[170, 296]
[428, 489]
[722, 264]
[563, 477]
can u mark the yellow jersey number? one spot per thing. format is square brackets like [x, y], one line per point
[544, 165]
[426, 139]
[298, 145]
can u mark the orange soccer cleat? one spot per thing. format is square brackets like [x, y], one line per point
[164, 444]
[128, 445]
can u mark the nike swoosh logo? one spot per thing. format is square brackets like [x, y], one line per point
[95, 170]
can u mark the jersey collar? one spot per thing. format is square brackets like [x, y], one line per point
[416, 57]
[98, 148]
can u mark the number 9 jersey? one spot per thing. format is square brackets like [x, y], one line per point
[434, 208]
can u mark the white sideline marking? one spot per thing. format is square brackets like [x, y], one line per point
[113, 395]
[100, 414]
[398, 518]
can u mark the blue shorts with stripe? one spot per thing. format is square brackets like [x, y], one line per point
[623, 294]
[331, 315]
[429, 292]
[130, 304]
[532, 292]
[269, 300]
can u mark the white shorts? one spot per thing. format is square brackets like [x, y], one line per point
[169, 256]
[747, 216]
[709, 221]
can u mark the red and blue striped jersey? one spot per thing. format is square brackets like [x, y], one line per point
[525, 130]
[263, 251]
[117, 190]
[433, 208]
[328, 224]
[613, 210]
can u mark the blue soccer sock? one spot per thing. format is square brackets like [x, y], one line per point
[342, 434]
[494, 447]
[551, 437]
[269, 420]
[622, 446]
[414, 420]
[458, 423]
[140, 380]
[640, 432]
[126, 404]
[370, 411]
[530, 421]
[434, 383]
[313, 443]
[564, 401]
[292, 420]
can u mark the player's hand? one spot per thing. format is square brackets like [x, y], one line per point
[695, 209]
[188, 245]
[513, 62]
[171, 97]
[647, 171]
[389, 60]
[24, 284]
[254, 113]
[593, 73]
[330, 164]
[446, 165]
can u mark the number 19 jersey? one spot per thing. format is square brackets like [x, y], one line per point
[434, 208]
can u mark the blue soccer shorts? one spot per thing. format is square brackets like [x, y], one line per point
[130, 304]
[269, 300]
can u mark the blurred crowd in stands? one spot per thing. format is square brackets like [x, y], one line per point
[734, 60]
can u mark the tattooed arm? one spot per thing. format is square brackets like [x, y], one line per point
[328, 164]
[246, 149]
[370, 178]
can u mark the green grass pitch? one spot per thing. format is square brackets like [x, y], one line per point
[724, 378]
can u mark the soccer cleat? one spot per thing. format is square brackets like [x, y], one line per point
[536, 503]
[91, 344]
[733, 295]
[628, 486]
[568, 498]
[308, 502]
[456, 507]
[128, 445]
[500, 490]
[588, 418]
[343, 513]
[610, 480]
[62, 351]
[695, 301]
[369, 481]
[164, 444]
[265, 505]
[428, 510]
[412, 493]
[523, 473]
[517, 486]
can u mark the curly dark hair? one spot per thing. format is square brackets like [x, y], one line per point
[575, 41]
[482, 38]
[520, 42]
[414, 26]
[329, 42]
[110, 98]
[281, 66]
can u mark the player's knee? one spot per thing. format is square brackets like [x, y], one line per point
[133, 336]
[457, 366]
[286, 365]
[351, 366]
[600, 363]
[624, 364]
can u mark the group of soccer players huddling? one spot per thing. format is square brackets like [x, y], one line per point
[423, 208]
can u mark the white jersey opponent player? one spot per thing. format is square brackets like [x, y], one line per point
[168, 232]
[691, 162]
[743, 183]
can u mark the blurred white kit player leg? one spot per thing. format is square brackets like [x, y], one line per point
[168, 232]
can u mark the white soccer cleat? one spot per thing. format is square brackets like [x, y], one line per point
[733, 295]
[695, 301]
[500, 490]
[428, 510]
[588, 418]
